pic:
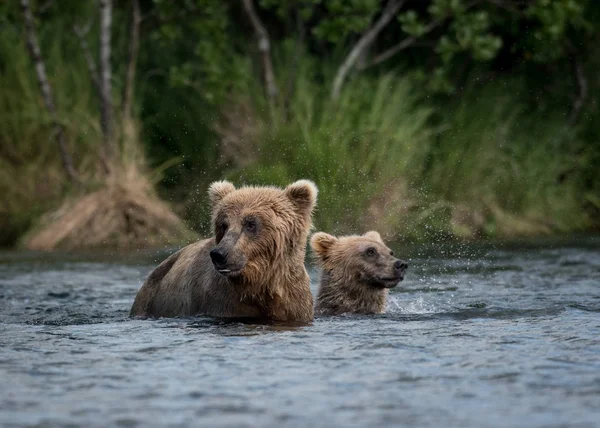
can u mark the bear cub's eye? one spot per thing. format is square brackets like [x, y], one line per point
[371, 252]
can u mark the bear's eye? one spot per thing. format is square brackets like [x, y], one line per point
[371, 252]
[221, 230]
[250, 225]
[391, 253]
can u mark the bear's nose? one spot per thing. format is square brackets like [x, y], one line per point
[218, 258]
[400, 265]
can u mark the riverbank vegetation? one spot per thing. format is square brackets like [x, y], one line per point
[424, 120]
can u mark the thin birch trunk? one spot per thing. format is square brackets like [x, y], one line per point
[134, 39]
[106, 114]
[40, 69]
[81, 34]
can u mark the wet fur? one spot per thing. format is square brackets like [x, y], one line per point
[344, 285]
[274, 284]
[339, 295]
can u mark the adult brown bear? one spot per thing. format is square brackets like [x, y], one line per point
[252, 268]
[357, 273]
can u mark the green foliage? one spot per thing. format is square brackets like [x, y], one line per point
[451, 35]
[346, 17]
[543, 30]
[441, 9]
[208, 63]
[469, 34]
[553, 20]
[411, 24]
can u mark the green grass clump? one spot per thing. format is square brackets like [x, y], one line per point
[373, 138]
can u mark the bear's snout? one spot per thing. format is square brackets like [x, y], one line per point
[218, 257]
[227, 261]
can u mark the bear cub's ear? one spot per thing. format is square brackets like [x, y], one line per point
[373, 235]
[321, 243]
[218, 190]
[303, 194]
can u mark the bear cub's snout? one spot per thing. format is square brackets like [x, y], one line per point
[400, 267]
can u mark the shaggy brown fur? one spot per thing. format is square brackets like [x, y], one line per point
[252, 268]
[357, 273]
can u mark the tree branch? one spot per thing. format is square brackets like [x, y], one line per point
[404, 44]
[132, 55]
[390, 10]
[410, 41]
[40, 69]
[105, 82]
[264, 46]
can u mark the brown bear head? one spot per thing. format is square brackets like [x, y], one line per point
[260, 231]
[364, 259]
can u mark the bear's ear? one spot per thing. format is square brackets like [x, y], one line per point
[373, 235]
[303, 194]
[218, 190]
[321, 243]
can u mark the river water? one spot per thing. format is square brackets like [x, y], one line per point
[476, 336]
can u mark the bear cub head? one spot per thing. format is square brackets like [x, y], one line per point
[260, 231]
[357, 272]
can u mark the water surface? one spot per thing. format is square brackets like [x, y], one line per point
[476, 336]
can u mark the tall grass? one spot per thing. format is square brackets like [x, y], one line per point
[513, 166]
[383, 157]
[373, 138]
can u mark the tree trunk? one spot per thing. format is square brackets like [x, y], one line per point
[134, 39]
[390, 10]
[81, 34]
[264, 46]
[106, 119]
[40, 69]
[582, 86]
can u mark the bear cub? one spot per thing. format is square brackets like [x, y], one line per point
[357, 273]
[253, 266]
